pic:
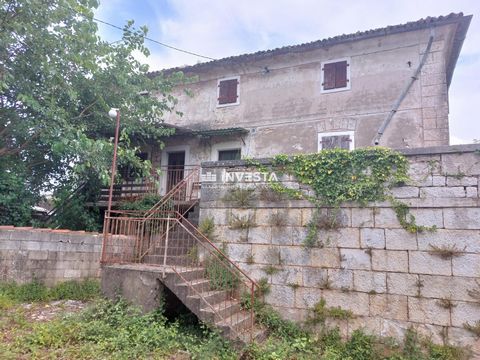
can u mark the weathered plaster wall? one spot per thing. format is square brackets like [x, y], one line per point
[49, 256]
[285, 110]
[387, 277]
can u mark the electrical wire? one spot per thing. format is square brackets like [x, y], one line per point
[145, 37]
[155, 41]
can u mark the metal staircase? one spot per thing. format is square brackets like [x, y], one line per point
[198, 272]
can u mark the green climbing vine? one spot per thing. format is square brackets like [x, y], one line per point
[337, 176]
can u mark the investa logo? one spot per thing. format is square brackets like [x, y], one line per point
[240, 176]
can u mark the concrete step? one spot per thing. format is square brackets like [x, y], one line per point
[220, 311]
[239, 322]
[198, 285]
[257, 334]
[211, 297]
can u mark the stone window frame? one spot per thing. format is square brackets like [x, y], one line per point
[227, 145]
[238, 91]
[350, 133]
[322, 76]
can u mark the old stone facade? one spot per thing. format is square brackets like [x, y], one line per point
[389, 278]
[282, 102]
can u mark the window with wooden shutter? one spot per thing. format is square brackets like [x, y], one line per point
[335, 75]
[228, 91]
[333, 140]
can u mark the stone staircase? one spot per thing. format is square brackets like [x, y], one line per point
[170, 250]
[188, 279]
[215, 307]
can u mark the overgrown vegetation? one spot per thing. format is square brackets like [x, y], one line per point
[12, 293]
[219, 271]
[287, 340]
[407, 220]
[145, 203]
[321, 312]
[338, 175]
[115, 330]
[111, 330]
[58, 81]
[72, 209]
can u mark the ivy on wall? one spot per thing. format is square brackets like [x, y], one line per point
[336, 176]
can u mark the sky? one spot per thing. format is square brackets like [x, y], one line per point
[221, 28]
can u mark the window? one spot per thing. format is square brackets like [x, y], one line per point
[228, 92]
[342, 140]
[336, 75]
[234, 154]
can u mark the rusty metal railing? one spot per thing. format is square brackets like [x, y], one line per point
[183, 195]
[175, 244]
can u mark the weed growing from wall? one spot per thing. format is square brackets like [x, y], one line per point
[207, 228]
[240, 197]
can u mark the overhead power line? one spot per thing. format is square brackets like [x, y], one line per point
[155, 41]
[145, 37]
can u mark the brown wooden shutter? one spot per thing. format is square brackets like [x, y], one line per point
[227, 91]
[329, 76]
[341, 74]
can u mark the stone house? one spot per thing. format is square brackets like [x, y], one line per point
[327, 93]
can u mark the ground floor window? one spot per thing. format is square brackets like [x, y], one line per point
[339, 139]
[232, 154]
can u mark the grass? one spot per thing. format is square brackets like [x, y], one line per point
[12, 293]
[110, 330]
[115, 330]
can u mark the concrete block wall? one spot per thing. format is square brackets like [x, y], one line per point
[49, 256]
[389, 278]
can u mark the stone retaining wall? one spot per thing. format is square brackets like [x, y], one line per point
[49, 256]
[389, 278]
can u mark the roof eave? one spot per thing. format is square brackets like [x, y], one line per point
[459, 37]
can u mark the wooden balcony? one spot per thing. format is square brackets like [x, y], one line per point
[160, 183]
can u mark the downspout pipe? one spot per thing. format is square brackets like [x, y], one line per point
[396, 105]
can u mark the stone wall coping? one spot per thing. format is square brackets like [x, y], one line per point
[43, 230]
[432, 150]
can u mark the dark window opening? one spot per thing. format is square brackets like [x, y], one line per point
[333, 142]
[234, 154]
[335, 75]
[228, 92]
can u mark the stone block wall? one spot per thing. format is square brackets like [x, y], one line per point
[389, 278]
[49, 256]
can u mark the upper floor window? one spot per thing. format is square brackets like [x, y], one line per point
[228, 91]
[336, 75]
[332, 140]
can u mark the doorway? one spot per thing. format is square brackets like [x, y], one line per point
[176, 168]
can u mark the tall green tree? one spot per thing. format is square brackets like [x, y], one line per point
[58, 79]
